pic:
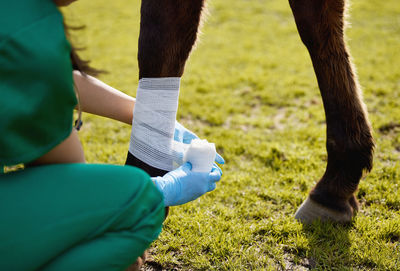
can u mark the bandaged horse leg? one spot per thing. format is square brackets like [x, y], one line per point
[350, 145]
[168, 31]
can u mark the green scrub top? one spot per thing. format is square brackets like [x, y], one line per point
[36, 85]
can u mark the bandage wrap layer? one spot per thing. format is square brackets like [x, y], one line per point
[154, 122]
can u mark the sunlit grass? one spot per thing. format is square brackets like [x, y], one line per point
[250, 88]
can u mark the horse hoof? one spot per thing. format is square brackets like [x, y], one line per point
[310, 211]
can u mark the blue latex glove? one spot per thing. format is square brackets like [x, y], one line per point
[181, 134]
[183, 185]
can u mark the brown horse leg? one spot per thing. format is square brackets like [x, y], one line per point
[349, 144]
[168, 31]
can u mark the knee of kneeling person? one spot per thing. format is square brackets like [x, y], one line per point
[139, 206]
[128, 191]
[145, 198]
[147, 205]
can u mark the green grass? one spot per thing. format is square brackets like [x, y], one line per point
[250, 88]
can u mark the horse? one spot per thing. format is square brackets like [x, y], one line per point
[168, 32]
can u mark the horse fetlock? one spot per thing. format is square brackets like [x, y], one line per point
[351, 154]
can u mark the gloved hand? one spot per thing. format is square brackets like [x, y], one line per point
[183, 185]
[181, 134]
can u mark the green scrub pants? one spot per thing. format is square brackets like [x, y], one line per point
[77, 217]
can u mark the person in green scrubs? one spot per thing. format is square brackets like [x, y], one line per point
[58, 213]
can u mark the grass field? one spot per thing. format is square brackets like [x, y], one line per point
[249, 87]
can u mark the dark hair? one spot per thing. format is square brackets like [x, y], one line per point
[77, 62]
[81, 65]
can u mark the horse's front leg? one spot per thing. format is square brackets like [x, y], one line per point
[168, 31]
[320, 24]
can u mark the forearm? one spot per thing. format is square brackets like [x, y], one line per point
[100, 99]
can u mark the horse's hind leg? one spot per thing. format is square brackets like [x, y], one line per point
[168, 31]
[320, 24]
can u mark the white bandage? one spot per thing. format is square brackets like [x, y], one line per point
[201, 154]
[154, 123]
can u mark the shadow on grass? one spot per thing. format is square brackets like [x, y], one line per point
[329, 246]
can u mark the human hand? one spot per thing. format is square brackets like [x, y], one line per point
[183, 135]
[183, 185]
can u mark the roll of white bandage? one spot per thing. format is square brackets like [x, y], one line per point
[201, 154]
